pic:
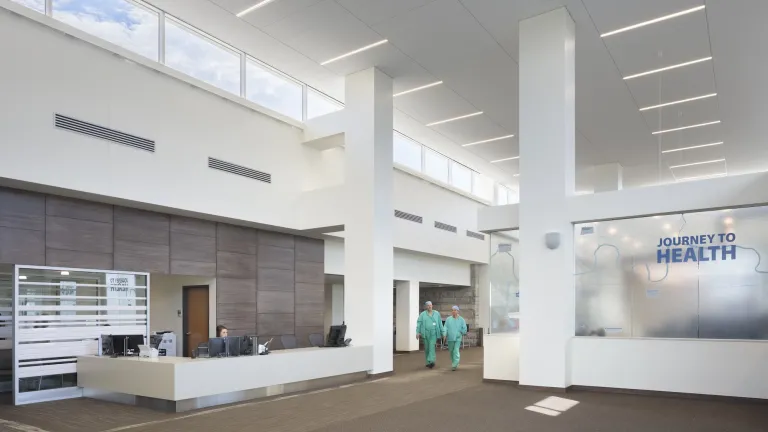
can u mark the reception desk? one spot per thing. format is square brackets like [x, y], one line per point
[181, 383]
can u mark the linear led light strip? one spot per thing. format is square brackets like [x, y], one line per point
[697, 163]
[679, 102]
[702, 177]
[359, 50]
[653, 21]
[454, 119]
[417, 89]
[686, 127]
[488, 140]
[693, 147]
[668, 68]
[505, 159]
[253, 8]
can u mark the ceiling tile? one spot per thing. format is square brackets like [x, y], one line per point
[373, 12]
[496, 150]
[677, 84]
[433, 104]
[609, 15]
[695, 112]
[470, 129]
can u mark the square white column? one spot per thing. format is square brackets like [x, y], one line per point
[547, 133]
[407, 312]
[368, 253]
[607, 177]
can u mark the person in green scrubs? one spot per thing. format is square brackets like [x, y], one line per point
[455, 328]
[429, 327]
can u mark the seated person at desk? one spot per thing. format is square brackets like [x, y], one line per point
[221, 331]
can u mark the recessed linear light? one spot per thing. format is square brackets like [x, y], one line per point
[693, 147]
[505, 159]
[653, 21]
[668, 68]
[678, 102]
[702, 177]
[515, 175]
[417, 89]
[488, 140]
[22, 278]
[359, 50]
[686, 127]
[253, 8]
[697, 163]
[65, 273]
[455, 118]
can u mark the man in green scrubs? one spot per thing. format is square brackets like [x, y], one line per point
[455, 328]
[429, 327]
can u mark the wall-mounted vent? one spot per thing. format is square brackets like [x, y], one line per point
[408, 216]
[96, 131]
[239, 170]
[445, 227]
[475, 235]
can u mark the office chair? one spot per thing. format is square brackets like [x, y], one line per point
[316, 340]
[289, 341]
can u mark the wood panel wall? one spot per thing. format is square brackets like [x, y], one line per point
[267, 284]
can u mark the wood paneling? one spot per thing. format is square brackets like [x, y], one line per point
[310, 294]
[310, 272]
[187, 247]
[302, 335]
[235, 290]
[142, 226]
[78, 209]
[22, 210]
[275, 279]
[197, 227]
[78, 235]
[275, 324]
[274, 302]
[275, 257]
[240, 316]
[310, 250]
[309, 315]
[77, 259]
[235, 265]
[192, 268]
[21, 246]
[144, 257]
[230, 238]
[276, 239]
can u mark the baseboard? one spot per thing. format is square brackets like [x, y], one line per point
[497, 381]
[655, 393]
[381, 375]
[543, 389]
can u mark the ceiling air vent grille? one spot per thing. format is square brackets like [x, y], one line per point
[408, 216]
[445, 227]
[475, 235]
[96, 131]
[239, 170]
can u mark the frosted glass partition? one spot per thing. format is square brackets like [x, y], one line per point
[60, 314]
[692, 275]
[503, 273]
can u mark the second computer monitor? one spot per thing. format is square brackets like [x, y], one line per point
[216, 347]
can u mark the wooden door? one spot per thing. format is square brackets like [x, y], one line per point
[195, 317]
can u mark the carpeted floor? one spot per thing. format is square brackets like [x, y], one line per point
[415, 399]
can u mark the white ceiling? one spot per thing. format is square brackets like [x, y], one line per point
[472, 46]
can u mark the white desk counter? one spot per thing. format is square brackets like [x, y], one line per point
[183, 378]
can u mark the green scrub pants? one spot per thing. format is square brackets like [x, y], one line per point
[430, 339]
[453, 349]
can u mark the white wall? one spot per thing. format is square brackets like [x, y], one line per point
[721, 368]
[166, 299]
[44, 72]
[501, 357]
[408, 265]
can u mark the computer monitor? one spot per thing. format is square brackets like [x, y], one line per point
[126, 344]
[248, 345]
[232, 344]
[336, 336]
[216, 347]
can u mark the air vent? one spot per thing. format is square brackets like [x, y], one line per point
[96, 131]
[239, 170]
[475, 235]
[445, 227]
[408, 216]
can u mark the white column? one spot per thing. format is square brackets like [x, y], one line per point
[607, 177]
[547, 132]
[334, 305]
[407, 311]
[368, 256]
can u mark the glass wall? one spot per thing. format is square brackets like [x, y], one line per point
[691, 275]
[319, 104]
[271, 89]
[503, 274]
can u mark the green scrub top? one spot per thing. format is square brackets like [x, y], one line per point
[429, 325]
[455, 328]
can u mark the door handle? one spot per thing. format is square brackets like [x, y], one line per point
[189, 334]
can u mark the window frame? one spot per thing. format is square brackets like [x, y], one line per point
[244, 83]
[332, 100]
